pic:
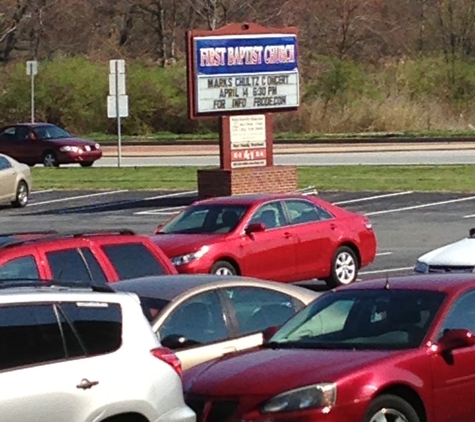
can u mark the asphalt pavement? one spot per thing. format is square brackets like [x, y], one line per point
[407, 224]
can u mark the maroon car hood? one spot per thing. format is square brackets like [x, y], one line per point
[180, 244]
[74, 142]
[269, 372]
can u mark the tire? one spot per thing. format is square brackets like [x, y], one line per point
[21, 196]
[50, 159]
[387, 408]
[86, 163]
[344, 268]
[223, 268]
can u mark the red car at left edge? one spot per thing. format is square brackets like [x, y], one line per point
[287, 238]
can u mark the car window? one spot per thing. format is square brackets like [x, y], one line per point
[22, 133]
[68, 265]
[51, 132]
[305, 212]
[29, 335]
[271, 215]
[132, 260]
[4, 163]
[98, 325]
[199, 319]
[461, 314]
[205, 219]
[257, 309]
[20, 268]
[8, 133]
[373, 319]
[152, 306]
[94, 266]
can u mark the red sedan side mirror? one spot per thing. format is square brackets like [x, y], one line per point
[255, 227]
[456, 339]
[33, 137]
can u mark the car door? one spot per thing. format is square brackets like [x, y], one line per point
[314, 229]
[21, 147]
[36, 381]
[270, 254]
[7, 180]
[7, 141]
[254, 309]
[201, 322]
[454, 376]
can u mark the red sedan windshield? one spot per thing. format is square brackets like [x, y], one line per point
[362, 320]
[206, 219]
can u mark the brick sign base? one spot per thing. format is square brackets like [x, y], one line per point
[220, 182]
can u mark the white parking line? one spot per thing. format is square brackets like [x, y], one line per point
[161, 211]
[415, 207]
[171, 195]
[384, 253]
[165, 211]
[469, 216]
[71, 198]
[370, 198]
[390, 270]
[41, 191]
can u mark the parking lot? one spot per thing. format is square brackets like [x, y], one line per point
[407, 224]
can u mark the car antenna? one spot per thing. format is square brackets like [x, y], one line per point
[387, 286]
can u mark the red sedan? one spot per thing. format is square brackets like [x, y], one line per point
[47, 144]
[284, 238]
[401, 350]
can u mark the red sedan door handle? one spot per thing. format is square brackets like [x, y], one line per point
[85, 384]
[287, 235]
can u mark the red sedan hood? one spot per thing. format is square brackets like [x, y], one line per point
[270, 372]
[181, 244]
[74, 142]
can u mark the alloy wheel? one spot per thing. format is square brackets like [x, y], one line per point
[223, 271]
[22, 194]
[389, 415]
[345, 268]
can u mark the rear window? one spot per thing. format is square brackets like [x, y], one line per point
[29, 335]
[133, 260]
[97, 325]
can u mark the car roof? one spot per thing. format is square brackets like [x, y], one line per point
[168, 287]
[447, 283]
[249, 199]
[36, 124]
[8, 240]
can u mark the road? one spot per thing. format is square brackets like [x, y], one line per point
[420, 157]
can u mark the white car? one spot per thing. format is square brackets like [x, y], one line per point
[454, 257]
[15, 181]
[71, 354]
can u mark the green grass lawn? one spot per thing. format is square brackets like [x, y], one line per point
[343, 178]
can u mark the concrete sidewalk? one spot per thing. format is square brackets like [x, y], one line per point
[200, 150]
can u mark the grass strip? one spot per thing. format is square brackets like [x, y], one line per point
[441, 178]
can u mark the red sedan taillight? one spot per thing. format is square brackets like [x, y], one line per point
[168, 356]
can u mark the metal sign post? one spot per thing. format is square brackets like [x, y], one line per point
[32, 71]
[117, 101]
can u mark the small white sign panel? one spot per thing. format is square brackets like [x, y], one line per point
[112, 106]
[118, 65]
[247, 92]
[248, 131]
[120, 84]
[31, 67]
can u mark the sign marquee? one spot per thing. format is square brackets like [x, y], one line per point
[242, 73]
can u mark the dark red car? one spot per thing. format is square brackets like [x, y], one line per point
[277, 237]
[401, 350]
[47, 144]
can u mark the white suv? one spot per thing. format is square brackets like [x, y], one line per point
[73, 355]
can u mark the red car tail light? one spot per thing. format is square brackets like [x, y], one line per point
[168, 356]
